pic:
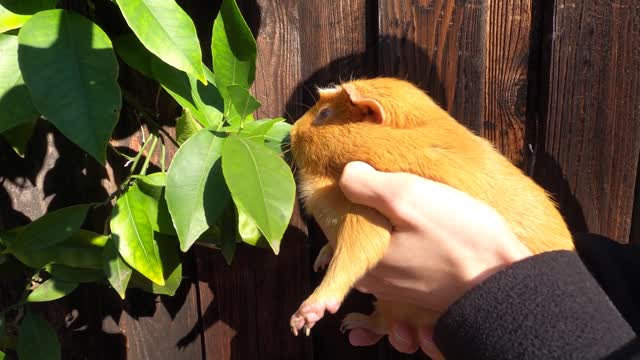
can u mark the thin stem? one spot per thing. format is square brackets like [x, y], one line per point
[149, 154]
[162, 130]
[162, 158]
[119, 153]
[137, 158]
[147, 113]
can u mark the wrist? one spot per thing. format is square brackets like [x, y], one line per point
[504, 257]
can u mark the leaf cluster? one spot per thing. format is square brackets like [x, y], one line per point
[227, 183]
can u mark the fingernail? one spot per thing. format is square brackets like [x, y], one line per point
[402, 333]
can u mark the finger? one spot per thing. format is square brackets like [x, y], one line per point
[425, 338]
[366, 285]
[401, 337]
[362, 337]
[364, 185]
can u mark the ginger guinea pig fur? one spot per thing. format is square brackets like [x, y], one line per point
[396, 127]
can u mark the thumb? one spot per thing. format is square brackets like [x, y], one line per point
[364, 185]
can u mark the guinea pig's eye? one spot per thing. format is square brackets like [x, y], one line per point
[322, 115]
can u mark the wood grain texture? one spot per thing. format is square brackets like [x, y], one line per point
[336, 45]
[246, 307]
[440, 46]
[506, 76]
[591, 134]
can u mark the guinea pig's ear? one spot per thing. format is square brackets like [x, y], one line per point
[368, 105]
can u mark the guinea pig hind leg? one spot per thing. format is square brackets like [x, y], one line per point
[324, 258]
[361, 240]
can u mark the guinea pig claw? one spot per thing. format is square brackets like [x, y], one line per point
[324, 258]
[307, 330]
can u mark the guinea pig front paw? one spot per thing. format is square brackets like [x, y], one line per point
[310, 312]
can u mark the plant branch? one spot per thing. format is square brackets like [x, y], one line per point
[148, 115]
[149, 154]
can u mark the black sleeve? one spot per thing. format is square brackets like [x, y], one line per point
[616, 267]
[545, 307]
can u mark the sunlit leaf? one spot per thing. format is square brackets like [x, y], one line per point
[10, 21]
[277, 137]
[203, 101]
[261, 184]
[242, 100]
[167, 31]
[50, 290]
[35, 330]
[196, 193]
[153, 185]
[71, 71]
[233, 48]
[15, 100]
[171, 267]
[247, 229]
[132, 231]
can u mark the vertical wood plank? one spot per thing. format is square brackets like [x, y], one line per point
[337, 42]
[506, 76]
[164, 327]
[246, 307]
[591, 134]
[440, 46]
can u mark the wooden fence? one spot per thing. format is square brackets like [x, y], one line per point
[554, 84]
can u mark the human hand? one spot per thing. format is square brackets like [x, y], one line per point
[444, 242]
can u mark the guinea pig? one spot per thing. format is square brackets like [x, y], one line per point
[395, 127]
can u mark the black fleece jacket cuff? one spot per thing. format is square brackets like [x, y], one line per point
[547, 306]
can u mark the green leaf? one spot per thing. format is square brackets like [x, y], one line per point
[27, 7]
[167, 31]
[50, 229]
[19, 136]
[74, 274]
[2, 355]
[50, 290]
[15, 100]
[117, 270]
[70, 69]
[186, 126]
[233, 48]
[247, 229]
[158, 179]
[204, 101]
[153, 185]
[134, 54]
[196, 194]
[227, 235]
[242, 101]
[132, 231]
[10, 21]
[275, 138]
[37, 340]
[261, 183]
[171, 267]
[208, 100]
[83, 249]
[256, 130]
